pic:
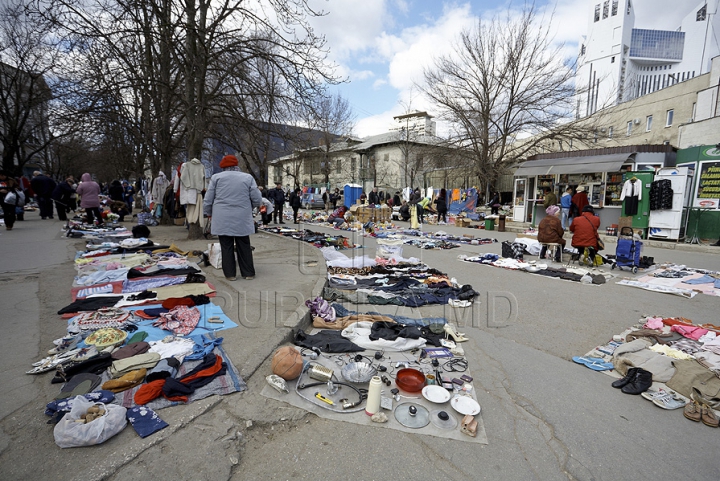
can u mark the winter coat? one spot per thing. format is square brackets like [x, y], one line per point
[295, 201]
[441, 204]
[230, 199]
[550, 231]
[116, 191]
[373, 198]
[584, 228]
[63, 193]
[89, 192]
[580, 200]
[43, 186]
[277, 195]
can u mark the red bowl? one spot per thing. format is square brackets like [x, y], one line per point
[410, 380]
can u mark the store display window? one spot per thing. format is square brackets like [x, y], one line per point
[613, 188]
[545, 182]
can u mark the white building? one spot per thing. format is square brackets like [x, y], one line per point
[618, 62]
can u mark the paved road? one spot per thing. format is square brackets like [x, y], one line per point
[546, 417]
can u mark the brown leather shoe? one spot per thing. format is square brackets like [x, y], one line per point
[708, 416]
[693, 411]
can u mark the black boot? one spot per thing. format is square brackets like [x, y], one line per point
[628, 377]
[640, 384]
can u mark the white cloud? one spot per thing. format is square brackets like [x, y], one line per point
[361, 74]
[379, 83]
[350, 26]
[420, 43]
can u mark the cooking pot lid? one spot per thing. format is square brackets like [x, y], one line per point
[443, 419]
[404, 415]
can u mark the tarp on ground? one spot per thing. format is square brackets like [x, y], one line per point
[467, 205]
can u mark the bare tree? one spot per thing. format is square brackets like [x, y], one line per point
[505, 91]
[332, 118]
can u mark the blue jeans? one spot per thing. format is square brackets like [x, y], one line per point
[564, 218]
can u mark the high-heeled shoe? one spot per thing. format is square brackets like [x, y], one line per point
[451, 333]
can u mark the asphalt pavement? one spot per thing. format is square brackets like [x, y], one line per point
[545, 416]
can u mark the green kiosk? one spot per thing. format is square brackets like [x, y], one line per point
[703, 211]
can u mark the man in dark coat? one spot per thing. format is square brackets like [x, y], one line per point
[62, 195]
[43, 186]
[374, 197]
[277, 195]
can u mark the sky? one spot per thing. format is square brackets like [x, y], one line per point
[381, 46]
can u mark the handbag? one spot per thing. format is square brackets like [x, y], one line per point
[600, 243]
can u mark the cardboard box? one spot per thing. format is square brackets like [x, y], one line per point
[461, 222]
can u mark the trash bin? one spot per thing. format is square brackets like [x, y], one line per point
[489, 224]
[501, 223]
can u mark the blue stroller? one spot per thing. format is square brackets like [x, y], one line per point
[628, 250]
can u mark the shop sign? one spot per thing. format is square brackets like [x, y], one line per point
[708, 188]
[710, 153]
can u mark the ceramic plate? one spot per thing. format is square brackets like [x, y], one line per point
[465, 405]
[436, 394]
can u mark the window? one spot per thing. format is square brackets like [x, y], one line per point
[614, 8]
[338, 166]
[669, 118]
[648, 123]
[597, 12]
[353, 164]
[606, 9]
[701, 14]
[629, 128]
[692, 119]
[629, 7]
[612, 59]
[610, 132]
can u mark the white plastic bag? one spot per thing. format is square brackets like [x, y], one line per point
[215, 255]
[69, 433]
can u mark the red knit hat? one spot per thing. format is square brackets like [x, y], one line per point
[228, 161]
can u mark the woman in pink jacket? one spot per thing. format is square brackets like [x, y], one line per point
[89, 192]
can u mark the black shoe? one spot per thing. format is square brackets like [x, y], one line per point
[281, 222]
[640, 384]
[717, 244]
[628, 377]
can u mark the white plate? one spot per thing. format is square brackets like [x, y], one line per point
[465, 405]
[436, 394]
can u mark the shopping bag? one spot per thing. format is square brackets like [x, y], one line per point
[70, 432]
[215, 255]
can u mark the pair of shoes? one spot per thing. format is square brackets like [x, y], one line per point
[451, 333]
[636, 381]
[594, 363]
[664, 399]
[65, 344]
[50, 363]
[697, 412]
[281, 222]
[233, 278]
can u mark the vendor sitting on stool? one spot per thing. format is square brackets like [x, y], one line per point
[584, 228]
[550, 231]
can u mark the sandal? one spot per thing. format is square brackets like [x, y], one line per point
[708, 416]
[50, 363]
[693, 411]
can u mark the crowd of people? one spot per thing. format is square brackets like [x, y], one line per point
[60, 198]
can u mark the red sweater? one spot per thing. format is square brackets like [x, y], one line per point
[584, 228]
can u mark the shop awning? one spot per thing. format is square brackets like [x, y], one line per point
[573, 165]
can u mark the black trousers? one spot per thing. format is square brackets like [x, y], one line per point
[9, 214]
[46, 207]
[61, 210]
[295, 212]
[441, 215]
[278, 212]
[229, 245]
[92, 214]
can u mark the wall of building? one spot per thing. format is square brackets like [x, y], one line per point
[699, 133]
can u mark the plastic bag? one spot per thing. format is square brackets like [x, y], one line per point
[69, 433]
[215, 255]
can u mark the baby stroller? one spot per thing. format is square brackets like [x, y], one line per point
[628, 250]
